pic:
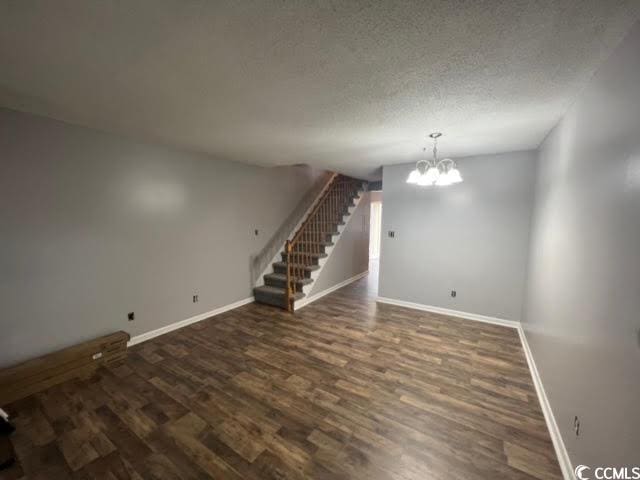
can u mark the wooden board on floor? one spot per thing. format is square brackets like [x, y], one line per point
[77, 361]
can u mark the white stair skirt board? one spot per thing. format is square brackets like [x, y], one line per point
[183, 323]
[452, 313]
[307, 300]
[554, 432]
[552, 425]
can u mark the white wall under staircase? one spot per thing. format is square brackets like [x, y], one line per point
[348, 258]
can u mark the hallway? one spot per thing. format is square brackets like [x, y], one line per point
[345, 388]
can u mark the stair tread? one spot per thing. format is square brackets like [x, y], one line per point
[324, 244]
[306, 267]
[311, 254]
[283, 277]
[329, 222]
[269, 290]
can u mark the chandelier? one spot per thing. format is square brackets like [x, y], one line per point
[435, 172]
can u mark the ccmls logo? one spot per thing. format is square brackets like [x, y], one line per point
[581, 472]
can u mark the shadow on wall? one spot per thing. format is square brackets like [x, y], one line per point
[259, 262]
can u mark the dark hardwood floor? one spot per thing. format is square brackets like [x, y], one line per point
[346, 388]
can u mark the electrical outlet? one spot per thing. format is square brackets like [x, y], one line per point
[454, 293]
[195, 299]
[392, 234]
[256, 232]
[131, 316]
[576, 425]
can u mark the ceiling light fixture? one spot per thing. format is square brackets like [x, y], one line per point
[435, 172]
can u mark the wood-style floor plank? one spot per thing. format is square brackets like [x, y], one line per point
[344, 389]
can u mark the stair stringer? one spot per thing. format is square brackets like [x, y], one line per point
[306, 289]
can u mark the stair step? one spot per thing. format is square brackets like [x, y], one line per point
[274, 296]
[317, 246]
[309, 268]
[333, 222]
[321, 243]
[281, 267]
[325, 232]
[315, 256]
[280, 280]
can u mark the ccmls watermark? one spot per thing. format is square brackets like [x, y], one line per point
[583, 472]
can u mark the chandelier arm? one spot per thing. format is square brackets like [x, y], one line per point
[446, 161]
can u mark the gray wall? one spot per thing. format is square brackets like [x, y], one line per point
[350, 256]
[93, 226]
[472, 237]
[583, 303]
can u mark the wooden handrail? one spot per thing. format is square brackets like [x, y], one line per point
[328, 211]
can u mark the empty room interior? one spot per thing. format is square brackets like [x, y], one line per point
[295, 239]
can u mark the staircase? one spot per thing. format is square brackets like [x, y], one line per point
[303, 252]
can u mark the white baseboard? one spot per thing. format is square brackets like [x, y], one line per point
[183, 323]
[452, 313]
[552, 425]
[307, 300]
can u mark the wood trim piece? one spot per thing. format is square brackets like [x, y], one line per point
[80, 360]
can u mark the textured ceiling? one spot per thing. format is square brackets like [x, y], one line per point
[344, 85]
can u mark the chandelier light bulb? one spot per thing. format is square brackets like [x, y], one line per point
[422, 181]
[431, 176]
[454, 175]
[444, 180]
[414, 176]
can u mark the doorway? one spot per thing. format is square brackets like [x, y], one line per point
[375, 232]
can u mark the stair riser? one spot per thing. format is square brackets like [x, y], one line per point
[343, 210]
[280, 283]
[279, 269]
[313, 260]
[275, 300]
[318, 248]
[327, 237]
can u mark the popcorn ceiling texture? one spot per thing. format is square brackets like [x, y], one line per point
[342, 85]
